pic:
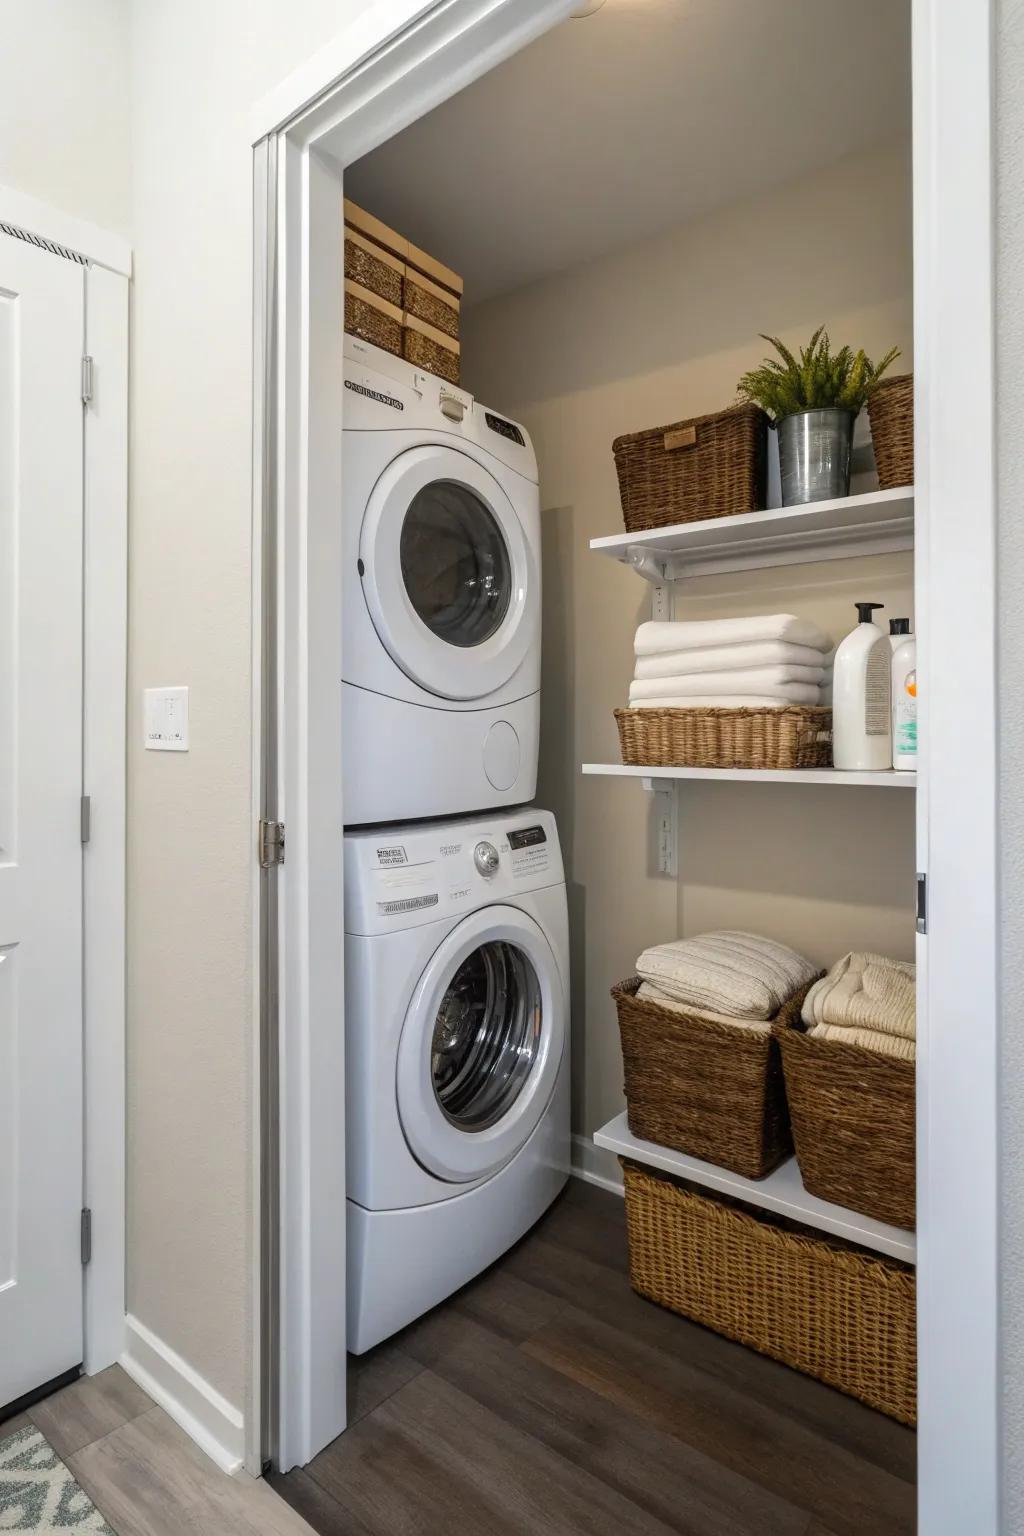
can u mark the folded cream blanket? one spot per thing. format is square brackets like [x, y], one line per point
[667, 635]
[865, 992]
[870, 1039]
[739, 975]
[797, 685]
[732, 658]
[654, 994]
[717, 701]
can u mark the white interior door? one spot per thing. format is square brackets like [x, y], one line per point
[42, 299]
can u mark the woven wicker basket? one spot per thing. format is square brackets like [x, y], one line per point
[853, 1122]
[380, 272]
[431, 355]
[711, 1090]
[891, 413]
[792, 736]
[373, 324]
[819, 1305]
[710, 466]
[428, 302]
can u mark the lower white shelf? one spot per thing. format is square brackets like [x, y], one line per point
[782, 1192]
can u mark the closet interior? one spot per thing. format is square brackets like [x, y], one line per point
[616, 220]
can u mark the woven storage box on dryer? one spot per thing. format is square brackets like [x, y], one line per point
[791, 736]
[374, 268]
[372, 318]
[710, 466]
[712, 1090]
[431, 349]
[817, 1304]
[853, 1122]
[891, 413]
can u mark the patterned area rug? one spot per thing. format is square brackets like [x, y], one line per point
[38, 1493]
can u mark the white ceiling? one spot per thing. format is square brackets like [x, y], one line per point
[628, 122]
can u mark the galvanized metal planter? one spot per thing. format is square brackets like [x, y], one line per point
[814, 455]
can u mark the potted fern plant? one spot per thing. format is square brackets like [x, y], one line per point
[813, 399]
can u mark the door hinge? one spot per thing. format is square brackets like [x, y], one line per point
[85, 818]
[922, 903]
[86, 379]
[271, 843]
[86, 1235]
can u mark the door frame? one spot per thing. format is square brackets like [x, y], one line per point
[398, 60]
[107, 262]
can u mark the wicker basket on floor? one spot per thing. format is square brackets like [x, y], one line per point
[891, 413]
[853, 1122]
[817, 1304]
[791, 736]
[709, 466]
[711, 1090]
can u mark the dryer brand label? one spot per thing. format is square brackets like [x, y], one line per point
[374, 394]
[390, 856]
[406, 904]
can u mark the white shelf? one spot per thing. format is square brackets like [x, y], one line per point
[873, 524]
[886, 780]
[782, 1192]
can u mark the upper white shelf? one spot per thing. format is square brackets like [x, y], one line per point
[782, 1192]
[873, 524]
[886, 779]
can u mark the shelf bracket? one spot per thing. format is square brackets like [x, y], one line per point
[658, 571]
[666, 824]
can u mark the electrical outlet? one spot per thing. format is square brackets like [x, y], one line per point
[165, 716]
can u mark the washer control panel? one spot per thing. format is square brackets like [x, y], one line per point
[486, 858]
[401, 876]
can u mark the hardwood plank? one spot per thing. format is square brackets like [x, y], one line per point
[91, 1407]
[589, 1221]
[432, 1461]
[315, 1504]
[686, 1489]
[851, 1494]
[374, 1376]
[149, 1479]
[11, 1426]
[609, 1298]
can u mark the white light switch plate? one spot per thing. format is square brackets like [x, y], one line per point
[165, 713]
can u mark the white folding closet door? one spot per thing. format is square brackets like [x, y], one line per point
[42, 299]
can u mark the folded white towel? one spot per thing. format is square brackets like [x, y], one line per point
[740, 975]
[716, 701]
[869, 1039]
[653, 994]
[731, 658]
[797, 685]
[865, 992]
[667, 635]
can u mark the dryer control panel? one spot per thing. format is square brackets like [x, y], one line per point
[401, 877]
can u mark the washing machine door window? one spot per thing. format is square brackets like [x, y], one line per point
[448, 574]
[481, 1045]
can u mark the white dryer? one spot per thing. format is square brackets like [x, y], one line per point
[441, 588]
[457, 1054]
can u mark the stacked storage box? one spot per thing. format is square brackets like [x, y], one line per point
[400, 298]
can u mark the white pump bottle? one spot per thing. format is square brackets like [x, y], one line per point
[861, 696]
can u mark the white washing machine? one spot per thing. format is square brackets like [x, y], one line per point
[441, 585]
[457, 1046]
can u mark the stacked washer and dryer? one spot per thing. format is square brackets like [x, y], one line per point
[456, 943]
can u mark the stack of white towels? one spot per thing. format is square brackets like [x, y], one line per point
[866, 1000]
[762, 661]
[728, 977]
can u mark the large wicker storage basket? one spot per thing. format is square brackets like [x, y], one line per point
[891, 413]
[853, 1122]
[711, 1090]
[792, 736]
[710, 466]
[819, 1305]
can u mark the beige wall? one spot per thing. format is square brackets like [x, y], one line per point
[64, 136]
[657, 333]
[198, 71]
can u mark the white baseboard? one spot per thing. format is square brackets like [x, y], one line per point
[215, 1426]
[596, 1165]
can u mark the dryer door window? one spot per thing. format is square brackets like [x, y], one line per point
[455, 564]
[486, 1035]
[481, 1045]
[448, 574]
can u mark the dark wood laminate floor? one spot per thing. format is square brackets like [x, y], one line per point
[547, 1398]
